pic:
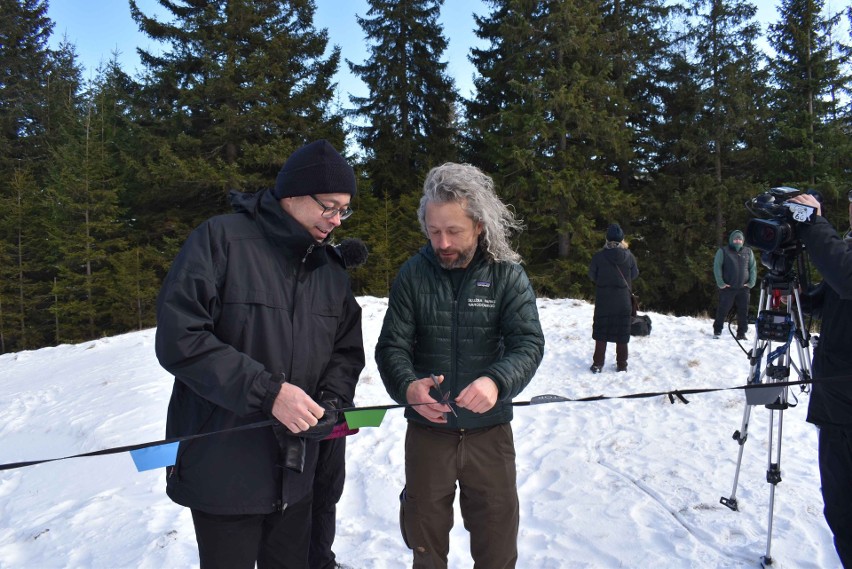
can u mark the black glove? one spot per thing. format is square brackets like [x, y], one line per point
[325, 425]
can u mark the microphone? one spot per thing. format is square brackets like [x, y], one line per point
[353, 252]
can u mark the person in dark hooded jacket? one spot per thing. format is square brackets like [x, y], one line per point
[613, 270]
[830, 406]
[735, 271]
[257, 321]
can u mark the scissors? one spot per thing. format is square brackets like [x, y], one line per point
[445, 397]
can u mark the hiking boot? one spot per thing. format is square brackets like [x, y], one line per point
[621, 368]
[741, 337]
[595, 369]
[715, 336]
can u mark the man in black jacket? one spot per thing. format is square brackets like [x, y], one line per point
[830, 406]
[256, 320]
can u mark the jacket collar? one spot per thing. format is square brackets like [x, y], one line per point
[280, 228]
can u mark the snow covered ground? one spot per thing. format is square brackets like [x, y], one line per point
[616, 483]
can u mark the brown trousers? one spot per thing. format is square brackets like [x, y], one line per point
[483, 463]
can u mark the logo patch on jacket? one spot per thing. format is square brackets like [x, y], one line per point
[483, 284]
[481, 302]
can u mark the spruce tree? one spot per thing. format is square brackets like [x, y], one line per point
[728, 63]
[239, 85]
[549, 120]
[405, 126]
[721, 167]
[24, 64]
[135, 263]
[806, 71]
[30, 76]
[409, 112]
[86, 184]
[679, 230]
[24, 213]
[640, 46]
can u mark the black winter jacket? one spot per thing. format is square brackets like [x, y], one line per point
[831, 402]
[490, 329]
[611, 321]
[250, 300]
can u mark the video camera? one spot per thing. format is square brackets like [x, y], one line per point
[772, 229]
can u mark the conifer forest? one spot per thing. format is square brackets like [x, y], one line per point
[663, 116]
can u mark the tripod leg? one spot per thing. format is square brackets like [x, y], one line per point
[739, 436]
[802, 338]
[773, 473]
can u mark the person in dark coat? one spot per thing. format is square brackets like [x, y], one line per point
[735, 271]
[613, 270]
[256, 320]
[830, 406]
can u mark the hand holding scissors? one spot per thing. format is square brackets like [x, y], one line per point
[424, 403]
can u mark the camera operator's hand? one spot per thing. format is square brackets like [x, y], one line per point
[807, 199]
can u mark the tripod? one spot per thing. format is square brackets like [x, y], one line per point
[779, 325]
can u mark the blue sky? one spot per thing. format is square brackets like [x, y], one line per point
[99, 27]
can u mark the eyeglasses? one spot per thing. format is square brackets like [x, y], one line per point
[329, 212]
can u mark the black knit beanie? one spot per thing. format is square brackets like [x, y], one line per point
[614, 233]
[316, 168]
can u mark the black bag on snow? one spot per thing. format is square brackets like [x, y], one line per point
[640, 325]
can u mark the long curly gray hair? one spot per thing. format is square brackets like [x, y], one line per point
[474, 190]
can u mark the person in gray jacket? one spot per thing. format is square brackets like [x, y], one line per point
[460, 339]
[256, 320]
[735, 271]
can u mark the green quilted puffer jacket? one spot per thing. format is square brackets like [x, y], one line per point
[490, 329]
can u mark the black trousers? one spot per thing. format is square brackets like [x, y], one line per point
[275, 541]
[835, 472]
[599, 357]
[729, 297]
[328, 488]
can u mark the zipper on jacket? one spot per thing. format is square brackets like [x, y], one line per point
[454, 336]
[307, 253]
[454, 343]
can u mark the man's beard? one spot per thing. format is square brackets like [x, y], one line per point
[462, 260]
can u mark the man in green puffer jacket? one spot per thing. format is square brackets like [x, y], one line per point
[462, 310]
